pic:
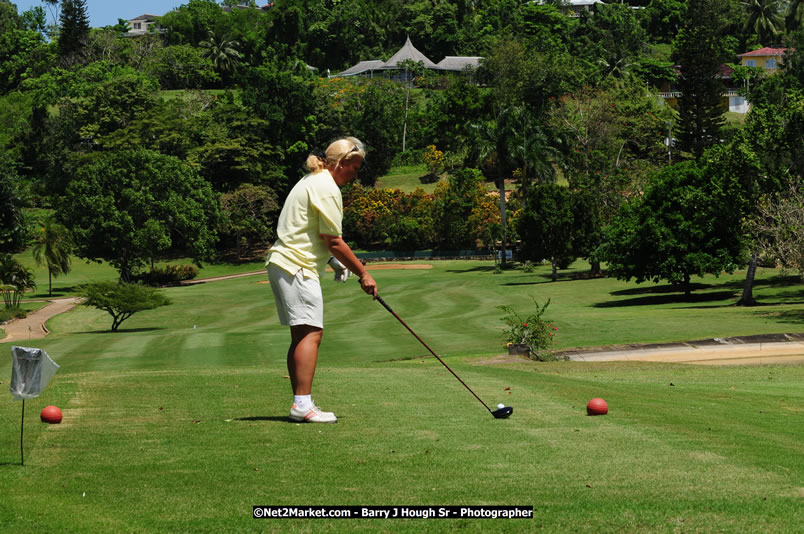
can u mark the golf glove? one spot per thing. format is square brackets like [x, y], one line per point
[341, 272]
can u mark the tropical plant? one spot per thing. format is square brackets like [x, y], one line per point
[222, 51]
[764, 19]
[531, 150]
[15, 279]
[52, 247]
[794, 17]
[491, 155]
[534, 331]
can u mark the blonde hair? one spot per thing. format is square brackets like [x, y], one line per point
[343, 149]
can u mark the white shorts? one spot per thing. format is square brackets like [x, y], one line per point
[298, 299]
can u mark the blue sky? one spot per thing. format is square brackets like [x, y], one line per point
[106, 12]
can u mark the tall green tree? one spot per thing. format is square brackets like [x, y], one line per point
[699, 51]
[281, 93]
[663, 19]
[677, 230]
[53, 246]
[453, 204]
[490, 152]
[12, 221]
[74, 30]
[613, 38]
[132, 205]
[23, 55]
[546, 226]
[8, 17]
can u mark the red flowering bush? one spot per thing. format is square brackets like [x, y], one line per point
[533, 331]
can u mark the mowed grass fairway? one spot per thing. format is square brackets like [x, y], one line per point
[177, 422]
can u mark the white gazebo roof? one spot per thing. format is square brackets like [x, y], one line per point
[363, 67]
[458, 63]
[408, 51]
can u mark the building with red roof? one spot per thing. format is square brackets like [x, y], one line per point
[765, 58]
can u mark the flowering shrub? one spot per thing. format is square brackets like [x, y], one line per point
[532, 331]
[377, 218]
[434, 159]
[168, 275]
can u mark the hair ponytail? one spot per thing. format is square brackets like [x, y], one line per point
[343, 149]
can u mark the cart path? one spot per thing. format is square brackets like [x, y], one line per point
[33, 326]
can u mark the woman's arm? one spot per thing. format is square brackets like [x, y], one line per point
[338, 247]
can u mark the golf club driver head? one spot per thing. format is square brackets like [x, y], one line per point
[503, 413]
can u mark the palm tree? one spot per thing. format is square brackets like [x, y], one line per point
[222, 52]
[492, 145]
[794, 20]
[764, 19]
[14, 280]
[53, 247]
[530, 150]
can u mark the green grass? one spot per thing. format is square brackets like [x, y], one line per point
[407, 179]
[176, 423]
[734, 120]
[83, 272]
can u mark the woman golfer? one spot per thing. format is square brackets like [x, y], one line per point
[309, 234]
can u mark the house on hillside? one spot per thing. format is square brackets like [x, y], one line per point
[732, 101]
[577, 7]
[140, 25]
[764, 58]
[391, 68]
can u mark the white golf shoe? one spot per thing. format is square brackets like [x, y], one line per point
[313, 415]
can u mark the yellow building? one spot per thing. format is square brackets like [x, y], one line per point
[765, 58]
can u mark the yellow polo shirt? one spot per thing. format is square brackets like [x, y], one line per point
[313, 207]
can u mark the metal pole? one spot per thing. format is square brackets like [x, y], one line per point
[22, 428]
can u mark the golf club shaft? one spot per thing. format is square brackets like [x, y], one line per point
[398, 318]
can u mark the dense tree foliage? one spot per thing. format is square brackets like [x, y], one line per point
[130, 206]
[677, 230]
[12, 227]
[546, 227]
[561, 109]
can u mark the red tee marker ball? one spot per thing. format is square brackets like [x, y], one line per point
[51, 414]
[597, 407]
